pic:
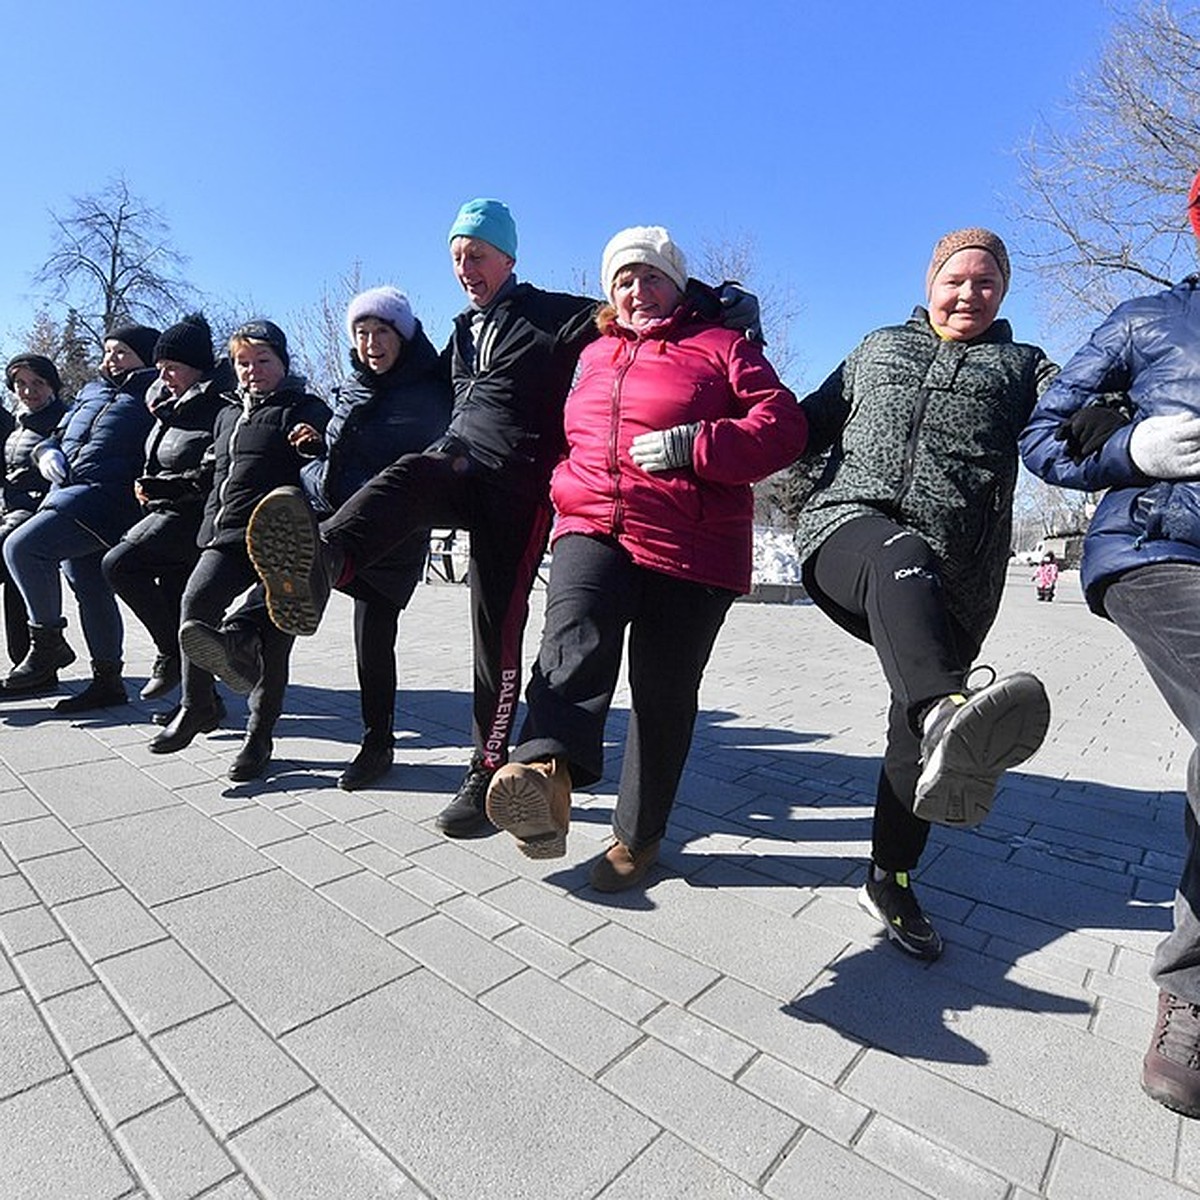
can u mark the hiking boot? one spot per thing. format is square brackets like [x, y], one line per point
[619, 868]
[1171, 1068]
[164, 676]
[970, 739]
[297, 569]
[232, 653]
[106, 690]
[48, 654]
[465, 813]
[891, 901]
[372, 762]
[532, 801]
[252, 759]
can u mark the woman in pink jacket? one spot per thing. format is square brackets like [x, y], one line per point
[671, 419]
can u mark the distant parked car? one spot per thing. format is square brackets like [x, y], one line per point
[1030, 558]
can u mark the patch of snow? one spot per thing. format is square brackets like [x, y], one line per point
[775, 559]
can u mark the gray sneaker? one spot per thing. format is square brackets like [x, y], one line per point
[1171, 1068]
[970, 739]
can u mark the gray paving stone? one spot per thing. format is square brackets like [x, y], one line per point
[55, 1149]
[8, 977]
[107, 924]
[80, 792]
[123, 1079]
[626, 1000]
[174, 1152]
[15, 893]
[310, 861]
[647, 963]
[426, 886]
[284, 952]
[28, 1054]
[408, 1094]
[461, 866]
[49, 970]
[20, 804]
[67, 876]
[558, 917]
[573, 1028]
[170, 853]
[199, 1053]
[159, 985]
[737, 1129]
[379, 859]
[816, 1048]
[539, 951]
[479, 915]
[33, 838]
[671, 1170]
[706, 1044]
[343, 806]
[28, 928]
[84, 1018]
[342, 838]
[310, 1150]
[46, 746]
[1083, 1173]
[810, 1102]
[964, 1122]
[379, 905]
[395, 833]
[456, 954]
[818, 1167]
[257, 826]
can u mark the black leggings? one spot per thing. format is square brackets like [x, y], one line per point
[882, 582]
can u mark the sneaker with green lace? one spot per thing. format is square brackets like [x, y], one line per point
[891, 901]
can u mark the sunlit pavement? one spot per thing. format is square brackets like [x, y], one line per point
[285, 990]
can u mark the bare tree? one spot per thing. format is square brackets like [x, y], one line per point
[1104, 185]
[317, 334]
[113, 262]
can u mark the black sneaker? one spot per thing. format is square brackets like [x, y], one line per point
[465, 814]
[970, 740]
[232, 653]
[891, 901]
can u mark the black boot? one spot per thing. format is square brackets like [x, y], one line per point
[164, 676]
[232, 653]
[187, 723]
[106, 690]
[252, 759]
[48, 654]
[465, 813]
[372, 762]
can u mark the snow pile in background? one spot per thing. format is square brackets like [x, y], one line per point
[775, 558]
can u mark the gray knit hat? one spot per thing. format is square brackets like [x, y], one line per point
[974, 238]
[387, 304]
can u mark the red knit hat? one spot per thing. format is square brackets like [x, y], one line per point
[1194, 204]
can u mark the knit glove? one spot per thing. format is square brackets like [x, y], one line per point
[1087, 429]
[665, 449]
[1167, 447]
[739, 311]
[52, 464]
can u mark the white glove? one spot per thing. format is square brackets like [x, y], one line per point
[1167, 447]
[52, 463]
[665, 449]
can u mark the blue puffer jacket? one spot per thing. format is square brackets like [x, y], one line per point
[1148, 348]
[104, 439]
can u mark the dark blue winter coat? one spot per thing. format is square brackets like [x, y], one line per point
[104, 440]
[376, 419]
[1148, 348]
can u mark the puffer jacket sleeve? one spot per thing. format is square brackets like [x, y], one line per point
[769, 432]
[828, 408]
[1098, 369]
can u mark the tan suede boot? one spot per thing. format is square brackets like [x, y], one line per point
[532, 801]
[620, 868]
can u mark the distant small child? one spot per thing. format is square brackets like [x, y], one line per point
[1046, 576]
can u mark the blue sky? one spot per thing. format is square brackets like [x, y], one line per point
[286, 142]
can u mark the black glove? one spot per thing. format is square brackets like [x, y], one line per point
[1086, 430]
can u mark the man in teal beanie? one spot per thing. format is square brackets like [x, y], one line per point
[512, 357]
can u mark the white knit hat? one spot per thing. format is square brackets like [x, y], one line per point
[387, 304]
[649, 244]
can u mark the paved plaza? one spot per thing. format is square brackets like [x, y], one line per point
[285, 990]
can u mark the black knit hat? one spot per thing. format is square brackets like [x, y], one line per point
[140, 339]
[189, 342]
[264, 331]
[39, 364]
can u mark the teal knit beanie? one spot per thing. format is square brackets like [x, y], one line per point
[488, 220]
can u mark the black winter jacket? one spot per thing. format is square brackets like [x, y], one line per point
[251, 456]
[24, 486]
[177, 474]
